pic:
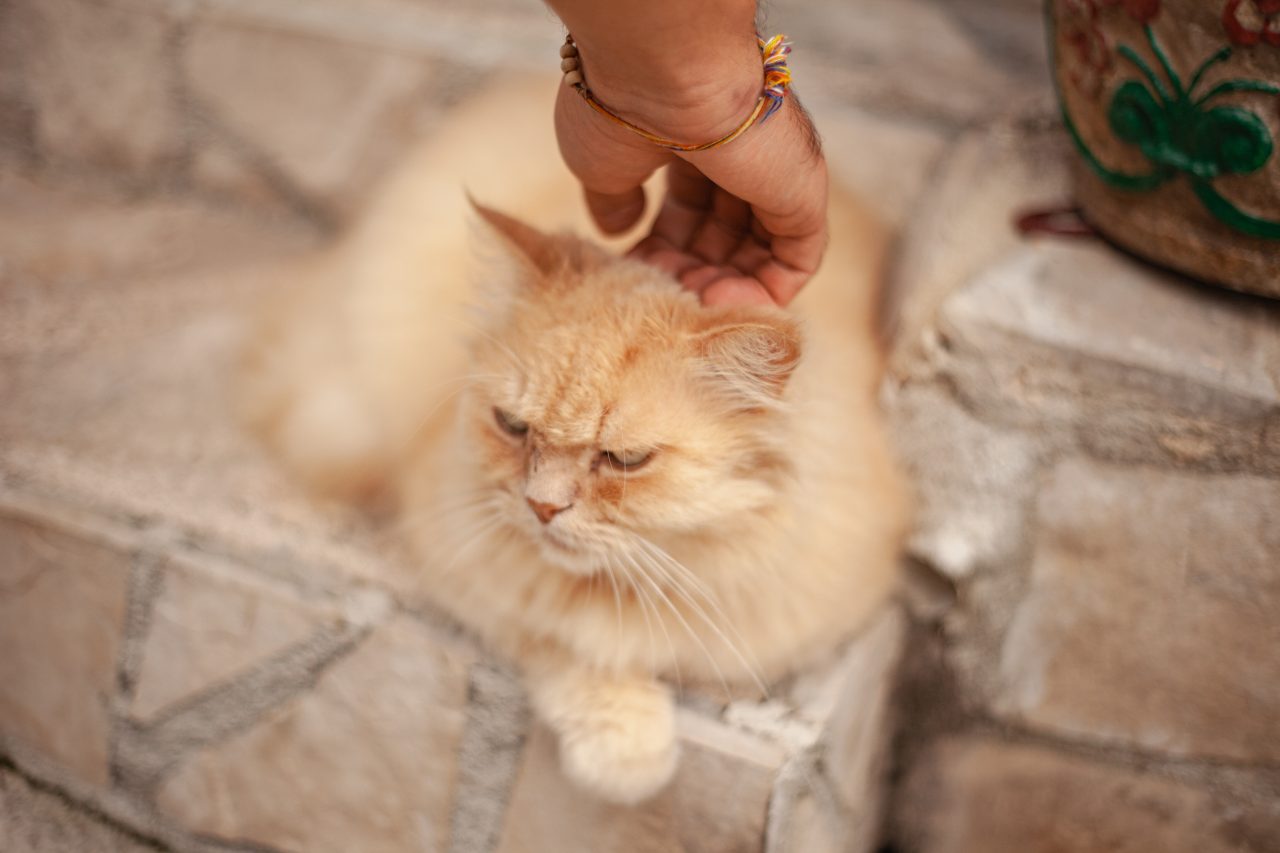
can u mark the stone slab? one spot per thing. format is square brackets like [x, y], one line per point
[1087, 299]
[62, 608]
[119, 324]
[57, 231]
[1130, 361]
[857, 728]
[834, 722]
[962, 223]
[973, 795]
[206, 626]
[717, 802]
[36, 820]
[1150, 618]
[364, 761]
[970, 505]
[97, 81]
[331, 115]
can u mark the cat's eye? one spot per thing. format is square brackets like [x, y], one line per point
[627, 460]
[509, 423]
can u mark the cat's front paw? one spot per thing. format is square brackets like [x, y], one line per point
[626, 750]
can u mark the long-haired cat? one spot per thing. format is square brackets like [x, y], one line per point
[613, 486]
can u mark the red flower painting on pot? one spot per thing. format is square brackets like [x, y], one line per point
[1250, 22]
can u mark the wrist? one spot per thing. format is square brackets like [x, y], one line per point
[688, 77]
[694, 103]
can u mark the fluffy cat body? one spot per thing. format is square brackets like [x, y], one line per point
[613, 486]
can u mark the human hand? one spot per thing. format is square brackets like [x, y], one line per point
[744, 223]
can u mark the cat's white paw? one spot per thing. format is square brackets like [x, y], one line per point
[627, 754]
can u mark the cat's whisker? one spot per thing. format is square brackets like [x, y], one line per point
[515, 360]
[446, 517]
[697, 583]
[737, 645]
[751, 666]
[643, 574]
[671, 648]
[674, 607]
[657, 551]
[472, 500]
[617, 602]
[486, 525]
[455, 537]
[644, 603]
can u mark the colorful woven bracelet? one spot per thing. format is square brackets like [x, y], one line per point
[777, 79]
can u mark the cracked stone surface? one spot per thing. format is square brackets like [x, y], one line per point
[117, 359]
[975, 795]
[349, 110]
[364, 761]
[716, 804]
[207, 626]
[96, 78]
[1073, 305]
[969, 511]
[34, 820]
[62, 609]
[1150, 617]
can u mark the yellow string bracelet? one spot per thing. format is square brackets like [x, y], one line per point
[777, 79]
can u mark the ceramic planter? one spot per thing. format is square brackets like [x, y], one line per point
[1174, 108]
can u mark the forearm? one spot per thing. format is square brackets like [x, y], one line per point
[687, 69]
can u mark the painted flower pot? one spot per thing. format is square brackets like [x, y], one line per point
[1174, 108]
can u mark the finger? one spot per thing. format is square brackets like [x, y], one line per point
[701, 276]
[794, 260]
[788, 201]
[686, 204]
[750, 256]
[797, 238]
[615, 212]
[673, 262]
[721, 232]
[781, 282]
[611, 166]
[688, 187]
[647, 246]
[736, 290]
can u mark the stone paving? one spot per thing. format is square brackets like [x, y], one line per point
[1096, 448]
[1093, 671]
[38, 820]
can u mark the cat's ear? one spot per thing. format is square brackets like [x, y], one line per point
[752, 356]
[541, 253]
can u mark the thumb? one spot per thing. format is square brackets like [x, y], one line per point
[611, 165]
[614, 213]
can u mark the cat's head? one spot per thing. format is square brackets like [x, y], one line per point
[609, 411]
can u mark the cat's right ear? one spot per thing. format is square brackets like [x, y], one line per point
[750, 356]
[539, 253]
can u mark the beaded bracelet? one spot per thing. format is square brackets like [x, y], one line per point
[777, 79]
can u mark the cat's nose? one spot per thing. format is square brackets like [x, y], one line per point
[544, 511]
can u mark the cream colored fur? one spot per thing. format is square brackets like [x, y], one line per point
[764, 528]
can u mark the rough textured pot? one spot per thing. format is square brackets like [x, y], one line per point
[1174, 108]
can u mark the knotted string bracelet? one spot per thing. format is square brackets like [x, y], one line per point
[777, 79]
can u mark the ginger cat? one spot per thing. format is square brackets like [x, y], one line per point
[611, 485]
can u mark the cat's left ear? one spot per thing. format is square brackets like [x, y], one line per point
[752, 355]
[542, 253]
